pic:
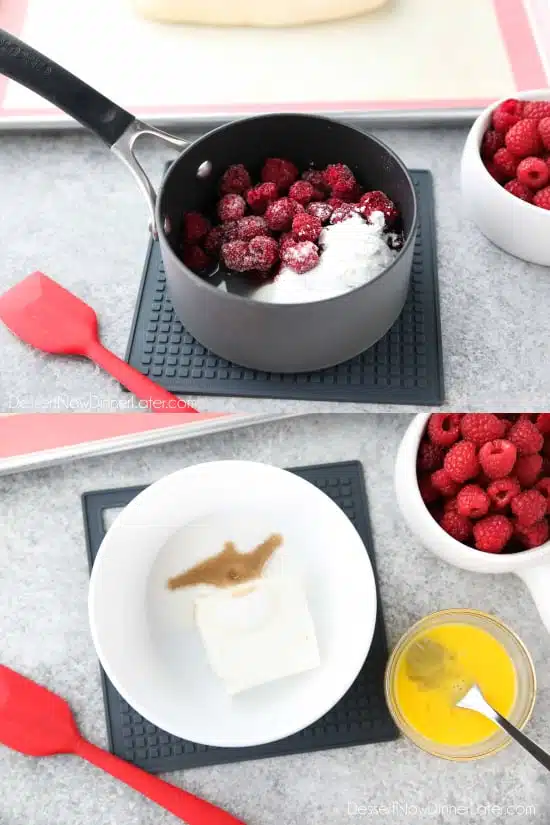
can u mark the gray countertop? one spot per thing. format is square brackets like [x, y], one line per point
[72, 210]
[44, 633]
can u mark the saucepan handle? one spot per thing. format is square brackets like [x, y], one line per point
[116, 127]
[537, 579]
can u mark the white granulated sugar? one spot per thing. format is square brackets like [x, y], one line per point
[353, 253]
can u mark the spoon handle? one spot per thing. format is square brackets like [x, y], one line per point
[541, 756]
[189, 808]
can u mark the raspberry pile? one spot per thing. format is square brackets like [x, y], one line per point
[260, 225]
[516, 149]
[485, 478]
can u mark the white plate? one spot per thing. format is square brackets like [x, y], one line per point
[144, 635]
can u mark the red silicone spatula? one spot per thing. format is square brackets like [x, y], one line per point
[47, 316]
[37, 722]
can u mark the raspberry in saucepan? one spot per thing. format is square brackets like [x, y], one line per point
[537, 109]
[481, 427]
[301, 192]
[514, 187]
[544, 132]
[429, 457]
[281, 172]
[443, 482]
[342, 213]
[235, 256]
[533, 173]
[279, 214]
[528, 507]
[472, 502]
[214, 240]
[532, 536]
[492, 533]
[501, 492]
[260, 196]
[306, 227]
[251, 227]
[263, 253]
[347, 189]
[195, 258]
[235, 180]
[527, 469]
[444, 428]
[523, 139]
[231, 231]
[336, 172]
[231, 208]
[507, 115]
[525, 437]
[322, 211]
[377, 201]
[195, 227]
[315, 177]
[491, 143]
[285, 240]
[497, 458]
[457, 526]
[542, 198]
[461, 461]
[506, 163]
[300, 257]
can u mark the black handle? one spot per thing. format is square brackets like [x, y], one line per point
[41, 75]
[541, 756]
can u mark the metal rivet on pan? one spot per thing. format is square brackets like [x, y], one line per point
[204, 169]
[167, 225]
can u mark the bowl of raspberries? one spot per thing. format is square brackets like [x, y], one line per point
[505, 175]
[475, 490]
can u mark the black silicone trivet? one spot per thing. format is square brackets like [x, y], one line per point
[405, 367]
[360, 718]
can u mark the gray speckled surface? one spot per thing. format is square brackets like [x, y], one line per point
[44, 632]
[71, 209]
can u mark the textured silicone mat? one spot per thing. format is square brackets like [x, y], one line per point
[360, 718]
[404, 367]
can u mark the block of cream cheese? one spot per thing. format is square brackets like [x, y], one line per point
[257, 632]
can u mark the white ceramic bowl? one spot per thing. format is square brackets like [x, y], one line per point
[144, 634]
[515, 226]
[532, 566]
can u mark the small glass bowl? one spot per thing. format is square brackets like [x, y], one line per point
[525, 683]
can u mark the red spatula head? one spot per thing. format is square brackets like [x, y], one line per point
[47, 316]
[33, 720]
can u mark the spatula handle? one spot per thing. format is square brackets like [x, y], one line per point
[190, 808]
[157, 398]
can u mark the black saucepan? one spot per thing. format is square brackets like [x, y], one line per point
[273, 337]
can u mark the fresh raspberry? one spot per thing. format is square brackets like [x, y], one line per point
[533, 172]
[492, 533]
[231, 208]
[429, 457]
[501, 492]
[506, 163]
[251, 227]
[378, 202]
[444, 484]
[444, 428]
[491, 143]
[542, 423]
[542, 198]
[301, 257]
[496, 173]
[449, 505]
[523, 139]
[514, 187]
[342, 213]
[281, 172]
[528, 507]
[322, 211]
[481, 427]
[235, 181]
[235, 256]
[525, 437]
[457, 526]
[532, 536]
[279, 214]
[427, 490]
[543, 487]
[194, 257]
[497, 458]
[461, 461]
[260, 196]
[231, 231]
[305, 227]
[472, 502]
[214, 240]
[544, 131]
[546, 447]
[301, 192]
[195, 227]
[537, 109]
[527, 469]
[263, 253]
[507, 115]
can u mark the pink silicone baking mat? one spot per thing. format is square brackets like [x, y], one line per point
[409, 56]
